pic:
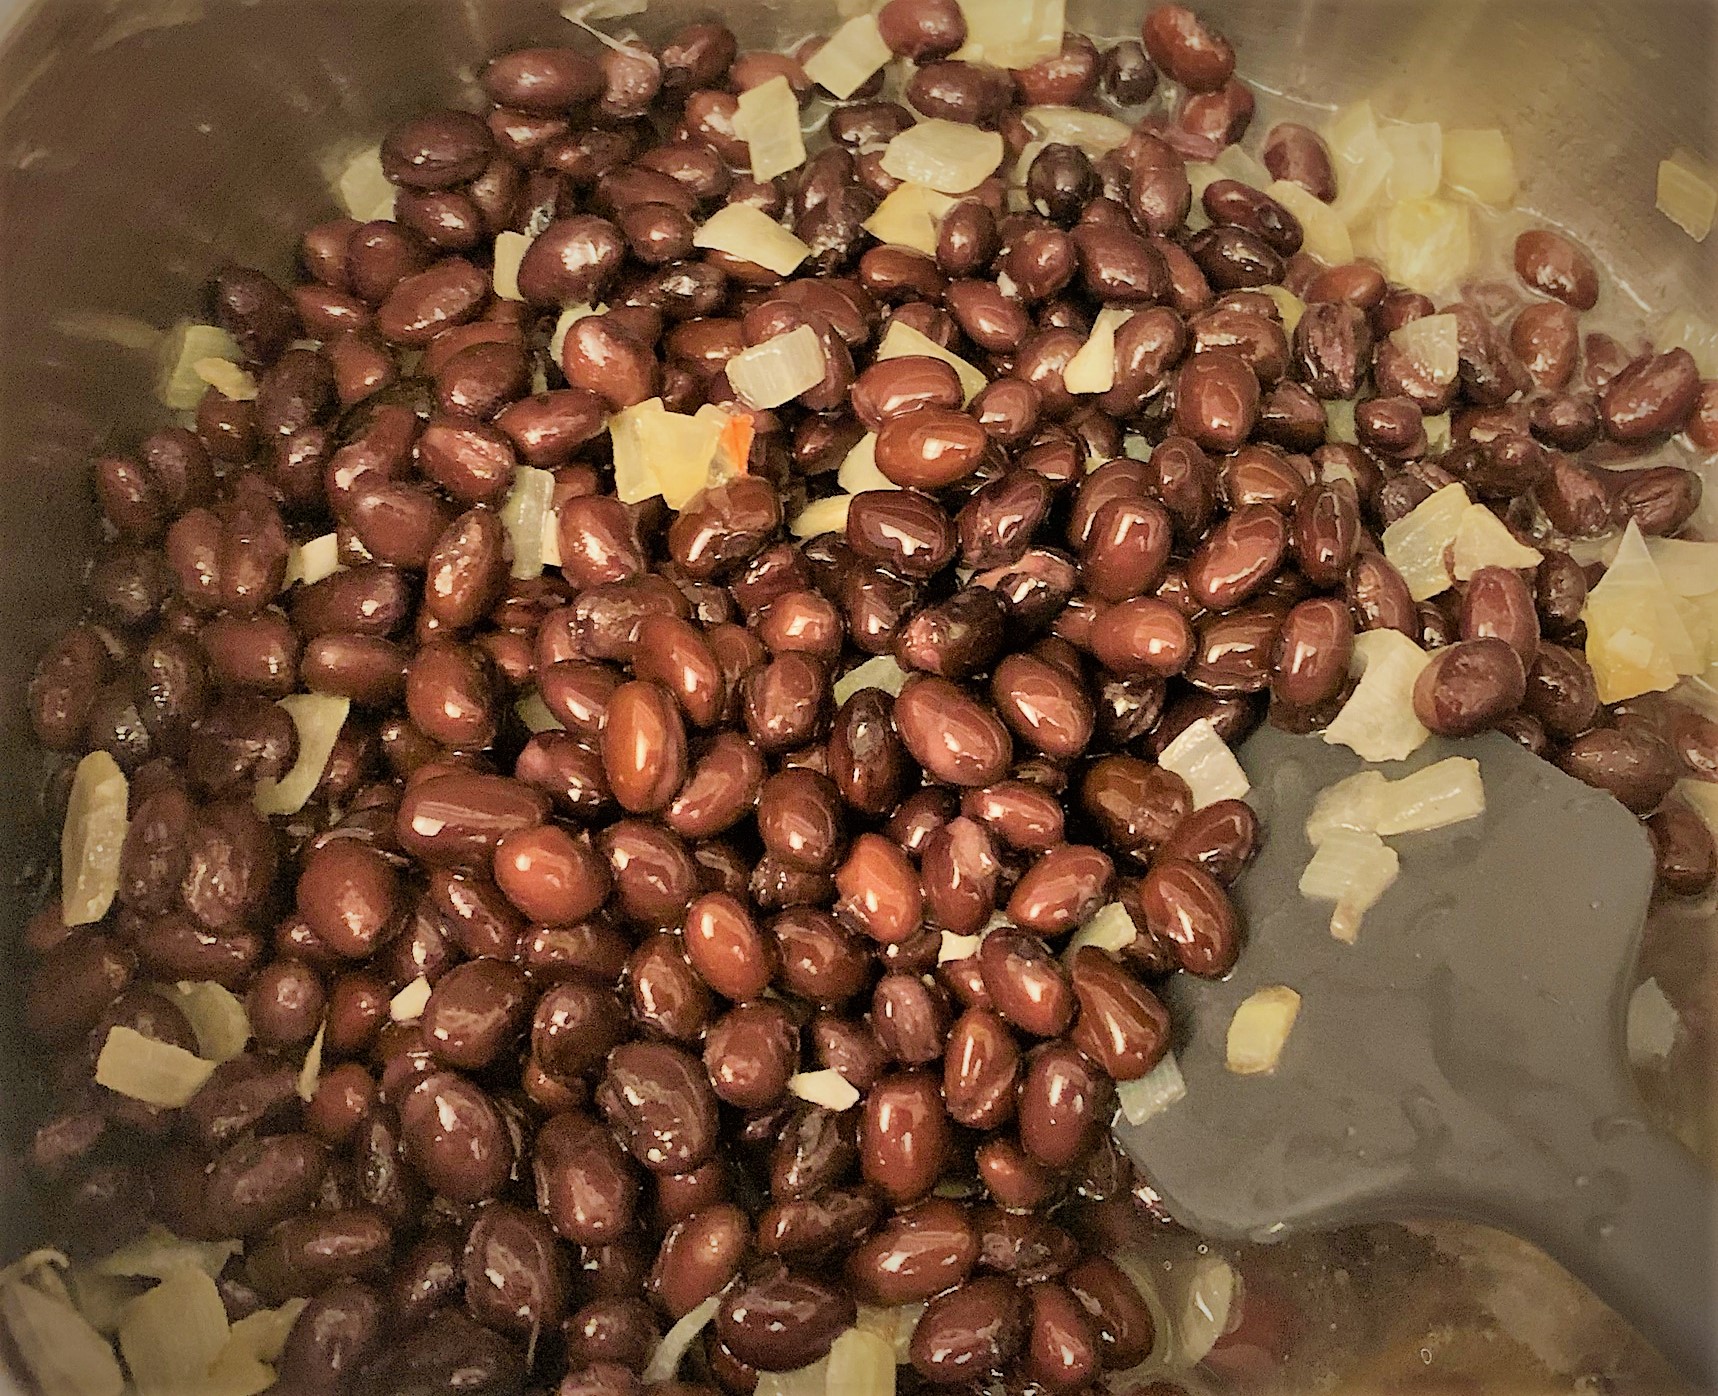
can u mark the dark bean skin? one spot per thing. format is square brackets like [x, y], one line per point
[1126, 1331]
[1025, 982]
[952, 735]
[981, 1065]
[1561, 691]
[1379, 597]
[1061, 889]
[1216, 400]
[783, 1321]
[1660, 499]
[1685, 861]
[1651, 398]
[698, 1257]
[1238, 557]
[454, 1137]
[1633, 764]
[1468, 686]
[1549, 263]
[1142, 637]
[1063, 1102]
[1313, 647]
[660, 1099]
[749, 1053]
[1043, 705]
[585, 1185]
[1188, 910]
[1135, 804]
[259, 1182]
[905, 1137]
[922, 30]
[308, 1253]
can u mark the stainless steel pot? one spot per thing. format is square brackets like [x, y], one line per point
[143, 141]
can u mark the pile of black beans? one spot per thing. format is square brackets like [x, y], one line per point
[713, 877]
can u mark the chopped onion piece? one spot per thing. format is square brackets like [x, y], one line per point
[822, 516]
[1352, 869]
[1213, 1289]
[318, 719]
[1427, 243]
[768, 122]
[859, 471]
[1481, 165]
[1685, 567]
[1325, 235]
[1259, 1030]
[1092, 369]
[236, 1372]
[1092, 132]
[1484, 540]
[1434, 343]
[880, 671]
[1637, 640]
[1203, 759]
[1378, 722]
[535, 714]
[157, 1073]
[665, 1361]
[173, 1333]
[1446, 792]
[951, 157]
[1687, 194]
[901, 340]
[101, 1299]
[364, 190]
[1152, 1093]
[1289, 306]
[1416, 160]
[851, 55]
[1418, 544]
[263, 1334]
[909, 216]
[957, 947]
[1110, 928]
[1354, 803]
[860, 1364]
[92, 840]
[39, 1268]
[407, 1006]
[1339, 421]
[752, 235]
[510, 249]
[1361, 159]
[522, 516]
[1652, 1023]
[59, 1350]
[226, 378]
[802, 1381]
[1702, 795]
[216, 1014]
[1011, 33]
[894, 1326]
[827, 1088]
[1437, 434]
[310, 562]
[778, 370]
[311, 1072]
[570, 316]
[1681, 328]
[158, 1253]
[657, 452]
[179, 385]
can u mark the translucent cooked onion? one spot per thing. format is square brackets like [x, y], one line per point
[1153, 1093]
[665, 1361]
[263, 1334]
[849, 57]
[61, 1352]
[827, 1088]
[1685, 567]
[951, 157]
[777, 371]
[859, 472]
[1110, 928]
[158, 1253]
[767, 120]
[901, 340]
[860, 1363]
[1434, 343]
[1213, 1288]
[535, 714]
[1481, 165]
[171, 1335]
[510, 249]
[1378, 722]
[1289, 306]
[92, 839]
[1484, 540]
[1353, 869]
[311, 1071]
[1361, 158]
[1092, 369]
[101, 1299]
[957, 947]
[363, 190]
[157, 1073]
[1418, 544]
[1427, 243]
[178, 384]
[894, 1326]
[1702, 796]
[880, 671]
[1339, 421]
[227, 379]
[657, 452]
[310, 562]
[822, 516]
[1011, 33]
[1652, 1023]
[910, 216]
[1203, 759]
[1637, 639]
[1092, 132]
[1416, 160]
[1325, 234]
[407, 1006]
[1687, 193]
[216, 1014]
[104, 327]
[752, 235]
[318, 719]
[1353, 803]
[523, 515]
[1259, 1031]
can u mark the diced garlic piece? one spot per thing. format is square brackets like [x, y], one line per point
[951, 157]
[827, 1088]
[1352, 869]
[1434, 343]
[1354, 804]
[1427, 243]
[1260, 1028]
[363, 190]
[859, 471]
[1416, 160]
[665, 1361]
[1110, 928]
[311, 1071]
[178, 383]
[1011, 33]
[767, 120]
[157, 1073]
[1092, 132]
[1092, 369]
[407, 1006]
[92, 839]
[1481, 165]
[318, 719]
[861, 1363]
[1378, 722]
[311, 561]
[1203, 759]
[216, 1014]
[1152, 1093]
[822, 516]
[1484, 540]
[752, 235]
[777, 371]
[957, 947]
[1446, 792]
[880, 671]
[510, 249]
[56, 1346]
[901, 340]
[522, 516]
[1687, 193]
[1418, 544]
[657, 452]
[227, 379]
[909, 216]
[1325, 234]
[851, 55]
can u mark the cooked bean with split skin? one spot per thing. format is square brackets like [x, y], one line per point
[659, 954]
